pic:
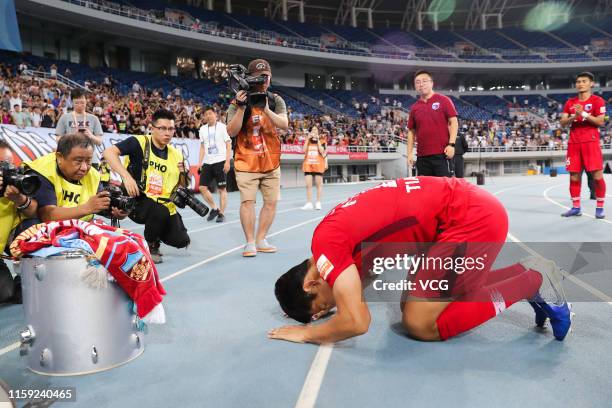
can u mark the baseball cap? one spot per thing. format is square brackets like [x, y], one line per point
[258, 66]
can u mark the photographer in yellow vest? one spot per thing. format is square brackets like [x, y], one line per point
[69, 187]
[152, 174]
[14, 207]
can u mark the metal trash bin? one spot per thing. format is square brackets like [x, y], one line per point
[72, 328]
[480, 179]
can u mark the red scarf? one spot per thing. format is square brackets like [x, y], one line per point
[116, 249]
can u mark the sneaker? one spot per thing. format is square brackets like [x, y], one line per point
[307, 206]
[574, 212]
[265, 246]
[249, 250]
[560, 318]
[212, 214]
[550, 301]
[318, 205]
[599, 213]
[220, 218]
[156, 255]
[540, 316]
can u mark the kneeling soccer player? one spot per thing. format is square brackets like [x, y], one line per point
[414, 210]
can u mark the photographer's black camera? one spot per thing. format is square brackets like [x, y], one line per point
[119, 200]
[239, 79]
[27, 184]
[184, 197]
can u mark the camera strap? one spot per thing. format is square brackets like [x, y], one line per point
[145, 163]
[247, 116]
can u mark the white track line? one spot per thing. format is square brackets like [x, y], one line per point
[335, 196]
[15, 346]
[286, 210]
[595, 292]
[229, 251]
[314, 379]
[545, 195]
[575, 280]
[10, 348]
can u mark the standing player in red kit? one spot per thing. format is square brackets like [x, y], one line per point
[436, 210]
[585, 114]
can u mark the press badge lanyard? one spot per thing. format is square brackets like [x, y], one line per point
[212, 143]
[76, 122]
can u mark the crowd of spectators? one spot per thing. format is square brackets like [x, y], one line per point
[30, 101]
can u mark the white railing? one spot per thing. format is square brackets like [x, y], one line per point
[301, 43]
[504, 149]
[47, 75]
[339, 150]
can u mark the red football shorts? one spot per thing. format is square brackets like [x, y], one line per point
[586, 155]
[479, 234]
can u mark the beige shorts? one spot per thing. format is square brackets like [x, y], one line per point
[249, 183]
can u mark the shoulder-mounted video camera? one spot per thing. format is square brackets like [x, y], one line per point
[238, 79]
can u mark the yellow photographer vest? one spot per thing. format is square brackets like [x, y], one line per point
[162, 175]
[9, 219]
[104, 171]
[68, 194]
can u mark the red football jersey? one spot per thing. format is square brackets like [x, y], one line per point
[430, 121]
[582, 130]
[413, 209]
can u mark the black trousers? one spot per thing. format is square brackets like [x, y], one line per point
[458, 159]
[7, 286]
[159, 224]
[435, 165]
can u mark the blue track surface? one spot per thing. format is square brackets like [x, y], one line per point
[213, 352]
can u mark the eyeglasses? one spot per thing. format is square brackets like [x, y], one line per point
[165, 129]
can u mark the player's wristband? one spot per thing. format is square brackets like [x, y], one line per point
[584, 114]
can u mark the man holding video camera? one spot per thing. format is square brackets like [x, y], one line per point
[69, 187]
[156, 177]
[253, 119]
[15, 206]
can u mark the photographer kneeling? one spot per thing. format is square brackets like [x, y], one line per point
[159, 168]
[69, 187]
[15, 206]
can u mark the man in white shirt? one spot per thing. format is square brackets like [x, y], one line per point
[214, 163]
[79, 120]
[15, 100]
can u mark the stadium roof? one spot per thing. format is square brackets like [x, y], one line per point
[456, 14]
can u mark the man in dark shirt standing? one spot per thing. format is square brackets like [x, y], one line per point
[433, 119]
[460, 149]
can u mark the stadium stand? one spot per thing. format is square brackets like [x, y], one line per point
[576, 42]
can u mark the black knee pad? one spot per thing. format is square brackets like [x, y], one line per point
[184, 242]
